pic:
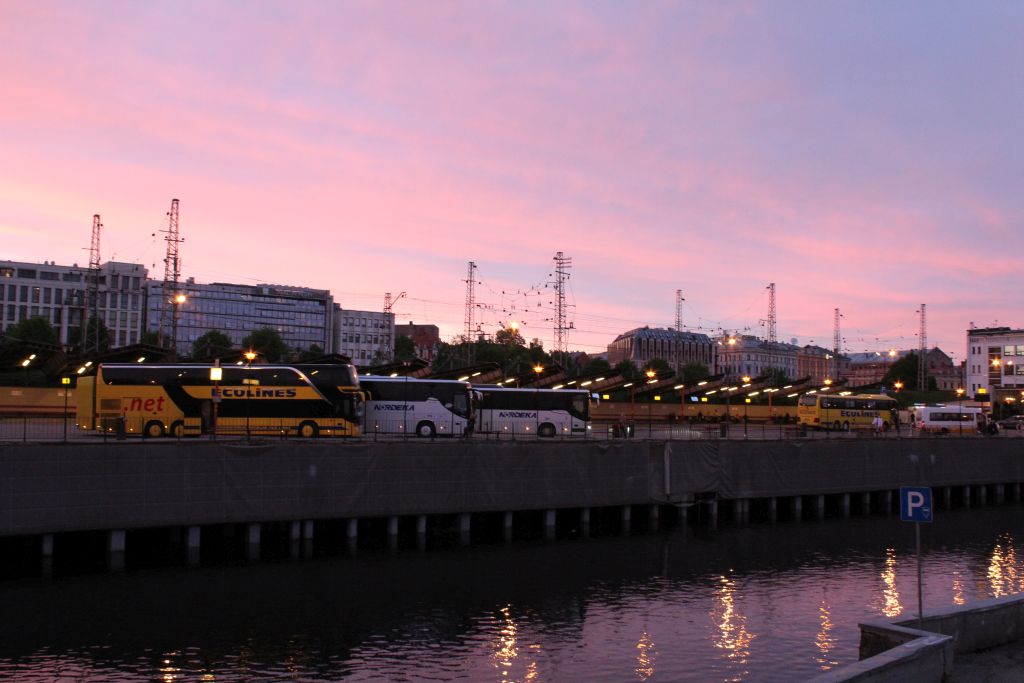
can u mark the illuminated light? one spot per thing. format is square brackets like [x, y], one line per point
[892, 606]
[65, 380]
[788, 386]
[746, 378]
[657, 398]
[606, 397]
[250, 355]
[25, 363]
[708, 393]
[142, 359]
[845, 393]
[755, 393]
[586, 384]
[513, 325]
[702, 383]
[650, 373]
[216, 373]
[746, 385]
[795, 393]
[892, 353]
[678, 386]
[652, 381]
[475, 374]
[812, 391]
[393, 374]
[746, 400]
[558, 386]
[828, 381]
[88, 363]
[538, 369]
[32, 357]
[599, 379]
[627, 385]
[464, 378]
[734, 388]
[703, 399]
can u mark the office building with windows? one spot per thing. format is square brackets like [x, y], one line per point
[303, 317]
[995, 364]
[644, 344]
[64, 296]
[367, 337]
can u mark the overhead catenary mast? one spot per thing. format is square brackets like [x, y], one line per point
[467, 334]
[836, 345]
[93, 344]
[562, 266]
[172, 272]
[922, 353]
[679, 310]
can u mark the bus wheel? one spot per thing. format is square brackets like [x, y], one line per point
[308, 430]
[178, 429]
[154, 429]
[425, 429]
[846, 426]
[546, 430]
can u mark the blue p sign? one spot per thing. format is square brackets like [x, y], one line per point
[915, 504]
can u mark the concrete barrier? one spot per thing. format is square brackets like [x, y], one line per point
[895, 651]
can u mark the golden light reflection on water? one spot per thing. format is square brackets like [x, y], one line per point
[732, 636]
[825, 641]
[645, 656]
[958, 589]
[507, 648]
[891, 596]
[1004, 575]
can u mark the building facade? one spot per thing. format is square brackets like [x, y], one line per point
[64, 296]
[644, 344]
[871, 367]
[303, 317]
[425, 339]
[819, 364]
[995, 363]
[367, 337]
[747, 355]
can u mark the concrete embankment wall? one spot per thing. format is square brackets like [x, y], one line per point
[52, 488]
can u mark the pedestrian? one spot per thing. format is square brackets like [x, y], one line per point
[876, 424]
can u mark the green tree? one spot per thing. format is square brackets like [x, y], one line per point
[405, 349]
[211, 344]
[314, 352]
[267, 342]
[597, 366]
[694, 372]
[509, 336]
[33, 330]
[903, 370]
[659, 365]
[150, 338]
[627, 369]
[95, 339]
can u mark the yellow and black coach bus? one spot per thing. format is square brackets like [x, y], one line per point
[183, 400]
[843, 413]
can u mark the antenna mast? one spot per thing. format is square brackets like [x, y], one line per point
[172, 271]
[94, 290]
[562, 266]
[922, 362]
[679, 310]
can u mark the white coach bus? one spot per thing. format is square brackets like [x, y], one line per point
[948, 419]
[532, 412]
[423, 407]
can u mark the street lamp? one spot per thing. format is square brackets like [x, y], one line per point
[250, 356]
[178, 300]
[746, 402]
[960, 408]
[538, 369]
[216, 374]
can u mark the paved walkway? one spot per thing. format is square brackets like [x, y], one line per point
[1003, 664]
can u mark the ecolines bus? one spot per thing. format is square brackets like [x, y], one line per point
[843, 413]
[182, 400]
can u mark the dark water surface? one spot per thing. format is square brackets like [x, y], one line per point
[754, 603]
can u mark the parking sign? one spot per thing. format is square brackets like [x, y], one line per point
[915, 504]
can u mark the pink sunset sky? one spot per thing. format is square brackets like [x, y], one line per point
[860, 155]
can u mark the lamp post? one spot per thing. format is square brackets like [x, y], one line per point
[216, 374]
[178, 300]
[66, 383]
[537, 369]
[746, 402]
[960, 408]
[651, 375]
[250, 356]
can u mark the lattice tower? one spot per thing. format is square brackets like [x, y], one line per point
[562, 266]
[772, 336]
[922, 352]
[679, 310]
[837, 345]
[93, 344]
[172, 272]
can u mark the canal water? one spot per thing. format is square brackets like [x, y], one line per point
[737, 604]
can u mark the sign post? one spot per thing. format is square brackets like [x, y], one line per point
[916, 507]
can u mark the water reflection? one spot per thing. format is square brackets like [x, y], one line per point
[645, 656]
[732, 637]
[958, 589]
[891, 606]
[825, 641]
[1002, 569]
[506, 651]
